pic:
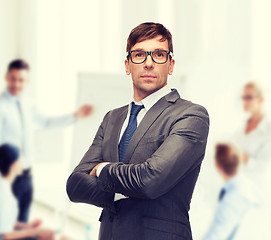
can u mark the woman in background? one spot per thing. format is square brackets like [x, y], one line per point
[254, 139]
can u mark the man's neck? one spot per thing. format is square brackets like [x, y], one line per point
[140, 95]
[228, 177]
[11, 94]
[257, 116]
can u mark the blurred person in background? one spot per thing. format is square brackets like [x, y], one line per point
[18, 117]
[10, 228]
[254, 138]
[240, 214]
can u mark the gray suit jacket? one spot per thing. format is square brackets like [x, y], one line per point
[158, 174]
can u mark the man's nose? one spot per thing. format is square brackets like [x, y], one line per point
[148, 64]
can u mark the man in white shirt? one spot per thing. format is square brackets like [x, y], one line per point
[18, 116]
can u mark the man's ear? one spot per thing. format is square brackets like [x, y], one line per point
[127, 67]
[171, 67]
[219, 169]
[6, 76]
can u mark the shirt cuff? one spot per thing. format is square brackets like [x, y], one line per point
[119, 196]
[100, 168]
[72, 118]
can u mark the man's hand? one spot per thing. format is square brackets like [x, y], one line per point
[94, 170]
[36, 223]
[83, 111]
[24, 226]
[245, 159]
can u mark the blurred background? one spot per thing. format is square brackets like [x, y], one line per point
[219, 45]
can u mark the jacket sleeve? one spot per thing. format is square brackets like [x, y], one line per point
[180, 153]
[81, 187]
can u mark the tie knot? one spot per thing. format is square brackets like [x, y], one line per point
[136, 108]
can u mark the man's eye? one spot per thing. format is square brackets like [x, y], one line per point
[160, 54]
[139, 55]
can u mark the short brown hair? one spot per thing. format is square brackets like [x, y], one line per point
[19, 64]
[149, 30]
[227, 157]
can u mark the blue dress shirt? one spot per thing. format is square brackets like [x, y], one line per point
[241, 196]
[19, 118]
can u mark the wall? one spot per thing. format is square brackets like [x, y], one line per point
[8, 35]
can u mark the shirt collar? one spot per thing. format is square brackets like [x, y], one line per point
[251, 193]
[11, 97]
[264, 124]
[150, 100]
[231, 182]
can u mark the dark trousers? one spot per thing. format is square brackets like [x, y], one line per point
[23, 191]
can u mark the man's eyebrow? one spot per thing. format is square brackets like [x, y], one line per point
[141, 49]
[161, 49]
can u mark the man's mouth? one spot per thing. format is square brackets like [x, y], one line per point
[148, 76]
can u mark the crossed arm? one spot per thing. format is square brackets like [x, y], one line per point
[180, 153]
[81, 187]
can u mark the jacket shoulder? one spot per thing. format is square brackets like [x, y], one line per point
[186, 107]
[117, 110]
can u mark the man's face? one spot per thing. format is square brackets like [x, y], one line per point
[16, 168]
[149, 76]
[17, 79]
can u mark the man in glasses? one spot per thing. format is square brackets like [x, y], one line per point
[145, 159]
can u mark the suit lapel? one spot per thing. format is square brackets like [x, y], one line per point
[118, 120]
[148, 120]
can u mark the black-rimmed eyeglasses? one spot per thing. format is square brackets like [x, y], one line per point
[158, 56]
[249, 97]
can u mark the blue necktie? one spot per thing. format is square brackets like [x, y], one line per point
[222, 194]
[129, 131]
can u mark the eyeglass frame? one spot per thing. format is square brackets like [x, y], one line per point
[169, 53]
[250, 97]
